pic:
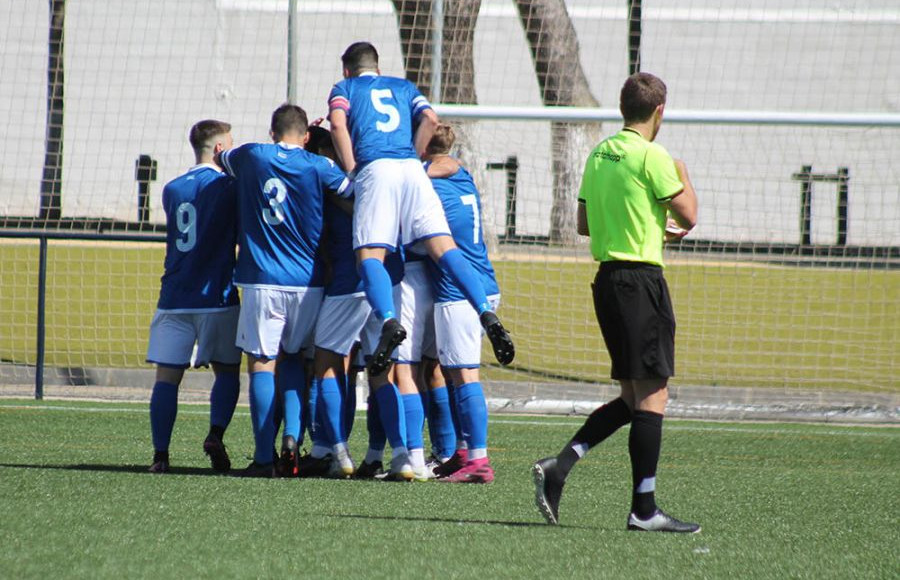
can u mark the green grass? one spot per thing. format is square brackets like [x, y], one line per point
[775, 501]
[739, 324]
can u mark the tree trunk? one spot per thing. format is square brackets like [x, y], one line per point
[414, 18]
[555, 56]
[51, 180]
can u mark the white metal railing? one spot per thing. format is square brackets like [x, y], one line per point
[706, 117]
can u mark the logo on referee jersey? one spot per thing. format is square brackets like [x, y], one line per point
[614, 157]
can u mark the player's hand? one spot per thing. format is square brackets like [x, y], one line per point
[674, 232]
[317, 122]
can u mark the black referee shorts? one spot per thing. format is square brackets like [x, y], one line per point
[633, 307]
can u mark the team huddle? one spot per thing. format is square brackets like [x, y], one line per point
[361, 247]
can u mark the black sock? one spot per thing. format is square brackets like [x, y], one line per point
[218, 432]
[644, 443]
[602, 423]
[160, 456]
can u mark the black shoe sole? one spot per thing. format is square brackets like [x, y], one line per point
[540, 495]
[504, 349]
[381, 358]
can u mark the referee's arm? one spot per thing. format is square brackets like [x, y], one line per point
[582, 222]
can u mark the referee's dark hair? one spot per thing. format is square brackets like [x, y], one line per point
[641, 94]
[287, 119]
[360, 56]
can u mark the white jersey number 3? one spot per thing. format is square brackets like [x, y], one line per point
[378, 101]
[276, 191]
[186, 220]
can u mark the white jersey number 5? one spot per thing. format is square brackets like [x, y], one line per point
[186, 220]
[393, 121]
[276, 191]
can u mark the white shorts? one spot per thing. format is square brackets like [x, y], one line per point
[174, 334]
[273, 318]
[395, 201]
[341, 320]
[458, 333]
[371, 333]
[416, 313]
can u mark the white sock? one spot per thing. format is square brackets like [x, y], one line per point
[319, 451]
[417, 457]
[399, 451]
[477, 454]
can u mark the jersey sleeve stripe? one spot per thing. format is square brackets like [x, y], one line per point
[345, 189]
[339, 103]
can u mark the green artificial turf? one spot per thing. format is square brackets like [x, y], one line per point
[774, 500]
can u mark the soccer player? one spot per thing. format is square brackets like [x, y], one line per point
[457, 332]
[198, 303]
[379, 126]
[629, 185]
[281, 189]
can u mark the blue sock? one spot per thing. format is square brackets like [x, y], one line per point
[455, 264]
[377, 438]
[332, 409]
[317, 426]
[377, 285]
[393, 417]
[415, 421]
[473, 415]
[291, 378]
[163, 408]
[223, 399]
[454, 410]
[262, 402]
[349, 397]
[440, 422]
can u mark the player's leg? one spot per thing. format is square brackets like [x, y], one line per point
[215, 345]
[440, 420]
[172, 338]
[379, 293]
[260, 327]
[163, 410]
[290, 378]
[330, 407]
[414, 414]
[223, 400]
[453, 262]
[473, 418]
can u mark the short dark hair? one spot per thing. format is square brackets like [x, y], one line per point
[319, 140]
[289, 118]
[203, 131]
[441, 141]
[640, 96]
[360, 56]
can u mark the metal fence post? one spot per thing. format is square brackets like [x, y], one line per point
[41, 326]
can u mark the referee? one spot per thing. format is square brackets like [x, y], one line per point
[630, 186]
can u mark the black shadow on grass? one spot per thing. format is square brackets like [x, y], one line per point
[117, 469]
[453, 521]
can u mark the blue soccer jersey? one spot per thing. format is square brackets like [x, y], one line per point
[382, 113]
[280, 192]
[462, 206]
[339, 248]
[201, 232]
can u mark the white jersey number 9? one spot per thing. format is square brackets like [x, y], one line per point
[186, 221]
[476, 219]
[276, 191]
[393, 121]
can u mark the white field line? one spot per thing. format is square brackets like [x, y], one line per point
[680, 425]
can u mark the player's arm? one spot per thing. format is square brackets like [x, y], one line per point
[340, 137]
[581, 219]
[428, 122]
[683, 206]
[442, 167]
